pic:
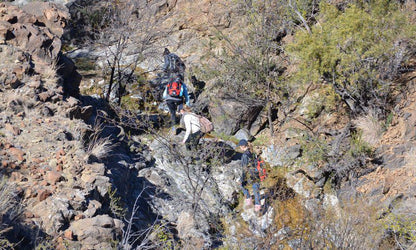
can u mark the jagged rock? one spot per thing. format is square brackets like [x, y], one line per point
[229, 115]
[78, 112]
[69, 73]
[97, 232]
[46, 111]
[187, 231]
[54, 213]
[172, 177]
[72, 101]
[53, 177]
[35, 31]
[17, 153]
[280, 156]
[14, 130]
[302, 185]
[259, 123]
[258, 224]
[53, 16]
[92, 209]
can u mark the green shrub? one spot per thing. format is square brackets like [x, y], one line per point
[314, 149]
[357, 50]
[115, 204]
[403, 227]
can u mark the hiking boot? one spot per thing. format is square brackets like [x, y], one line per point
[248, 202]
[257, 208]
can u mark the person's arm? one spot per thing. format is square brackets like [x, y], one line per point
[185, 94]
[165, 93]
[187, 122]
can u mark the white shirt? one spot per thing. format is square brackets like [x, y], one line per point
[192, 125]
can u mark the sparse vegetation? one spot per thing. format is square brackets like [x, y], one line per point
[9, 210]
[115, 203]
[371, 129]
[98, 147]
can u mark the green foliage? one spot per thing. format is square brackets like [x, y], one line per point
[358, 146]
[403, 226]
[389, 120]
[314, 149]
[130, 103]
[46, 244]
[115, 205]
[94, 89]
[353, 50]
[262, 140]
[5, 244]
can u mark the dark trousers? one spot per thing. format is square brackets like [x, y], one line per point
[193, 140]
[174, 106]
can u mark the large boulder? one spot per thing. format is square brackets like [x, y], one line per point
[97, 232]
[230, 114]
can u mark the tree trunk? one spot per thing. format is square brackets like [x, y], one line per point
[110, 85]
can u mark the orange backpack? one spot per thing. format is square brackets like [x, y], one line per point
[174, 88]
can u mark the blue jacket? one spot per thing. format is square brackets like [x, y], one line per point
[183, 93]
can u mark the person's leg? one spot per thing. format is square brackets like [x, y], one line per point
[194, 140]
[257, 204]
[188, 143]
[172, 109]
[245, 192]
[256, 192]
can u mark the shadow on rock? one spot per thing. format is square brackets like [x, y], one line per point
[221, 151]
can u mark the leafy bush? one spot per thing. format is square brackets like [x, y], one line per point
[358, 51]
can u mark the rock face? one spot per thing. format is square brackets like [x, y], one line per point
[33, 34]
[186, 183]
[229, 115]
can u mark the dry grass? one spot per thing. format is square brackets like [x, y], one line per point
[355, 227]
[372, 129]
[98, 146]
[9, 207]
[7, 196]
[50, 74]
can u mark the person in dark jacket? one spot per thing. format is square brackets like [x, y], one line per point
[250, 176]
[173, 64]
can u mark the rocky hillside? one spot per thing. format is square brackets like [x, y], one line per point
[79, 172]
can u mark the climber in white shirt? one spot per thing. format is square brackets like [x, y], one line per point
[193, 131]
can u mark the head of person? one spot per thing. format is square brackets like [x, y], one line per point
[185, 109]
[166, 52]
[243, 144]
